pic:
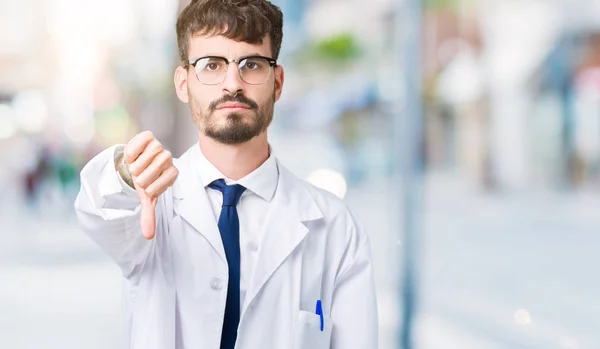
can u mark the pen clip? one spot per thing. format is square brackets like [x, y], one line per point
[319, 311]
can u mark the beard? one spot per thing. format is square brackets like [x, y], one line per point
[239, 128]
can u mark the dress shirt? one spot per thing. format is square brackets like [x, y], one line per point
[252, 208]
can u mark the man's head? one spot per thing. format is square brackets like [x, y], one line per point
[228, 50]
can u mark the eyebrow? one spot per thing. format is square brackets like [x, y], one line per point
[242, 56]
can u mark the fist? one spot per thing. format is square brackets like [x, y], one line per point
[152, 170]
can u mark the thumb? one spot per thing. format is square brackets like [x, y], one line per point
[147, 215]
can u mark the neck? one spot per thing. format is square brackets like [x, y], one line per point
[235, 161]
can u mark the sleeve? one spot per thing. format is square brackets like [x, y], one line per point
[354, 304]
[108, 210]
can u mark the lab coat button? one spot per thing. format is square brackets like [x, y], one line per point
[216, 284]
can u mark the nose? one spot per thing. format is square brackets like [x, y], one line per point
[233, 83]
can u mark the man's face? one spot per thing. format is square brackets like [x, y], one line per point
[233, 111]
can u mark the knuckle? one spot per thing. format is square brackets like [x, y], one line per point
[137, 170]
[147, 134]
[170, 173]
[170, 180]
[152, 192]
[139, 184]
[128, 152]
[156, 147]
[151, 145]
[165, 157]
[168, 159]
[133, 169]
[141, 181]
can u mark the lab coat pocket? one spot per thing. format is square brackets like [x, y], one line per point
[307, 331]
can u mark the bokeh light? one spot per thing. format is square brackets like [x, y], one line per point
[522, 317]
[329, 180]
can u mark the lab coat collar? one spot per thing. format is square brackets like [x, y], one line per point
[190, 200]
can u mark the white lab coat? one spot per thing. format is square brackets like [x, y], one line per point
[312, 248]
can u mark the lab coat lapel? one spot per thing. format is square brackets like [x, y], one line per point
[192, 203]
[284, 229]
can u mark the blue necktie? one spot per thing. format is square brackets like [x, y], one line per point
[229, 226]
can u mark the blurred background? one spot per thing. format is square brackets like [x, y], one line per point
[503, 225]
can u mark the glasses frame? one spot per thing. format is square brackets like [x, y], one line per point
[193, 61]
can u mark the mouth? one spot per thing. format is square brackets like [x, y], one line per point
[233, 106]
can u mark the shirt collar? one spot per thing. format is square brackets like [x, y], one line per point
[262, 181]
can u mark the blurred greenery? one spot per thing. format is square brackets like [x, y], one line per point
[442, 4]
[338, 48]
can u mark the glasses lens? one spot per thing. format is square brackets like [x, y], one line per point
[211, 71]
[255, 71]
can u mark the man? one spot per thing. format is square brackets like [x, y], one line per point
[224, 247]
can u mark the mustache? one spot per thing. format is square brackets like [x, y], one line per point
[239, 98]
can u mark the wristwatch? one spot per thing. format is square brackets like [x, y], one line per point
[121, 166]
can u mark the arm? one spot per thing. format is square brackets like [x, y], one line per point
[120, 219]
[108, 210]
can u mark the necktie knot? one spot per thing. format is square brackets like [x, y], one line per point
[231, 193]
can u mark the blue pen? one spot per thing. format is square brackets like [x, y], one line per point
[319, 312]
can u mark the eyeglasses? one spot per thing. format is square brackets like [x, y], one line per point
[212, 70]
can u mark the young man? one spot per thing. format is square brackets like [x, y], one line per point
[223, 247]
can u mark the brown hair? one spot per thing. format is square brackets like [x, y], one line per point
[242, 20]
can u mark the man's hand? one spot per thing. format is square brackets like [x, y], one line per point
[152, 170]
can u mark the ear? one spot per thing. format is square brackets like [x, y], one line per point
[181, 84]
[279, 77]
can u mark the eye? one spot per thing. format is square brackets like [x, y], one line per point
[212, 66]
[253, 64]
